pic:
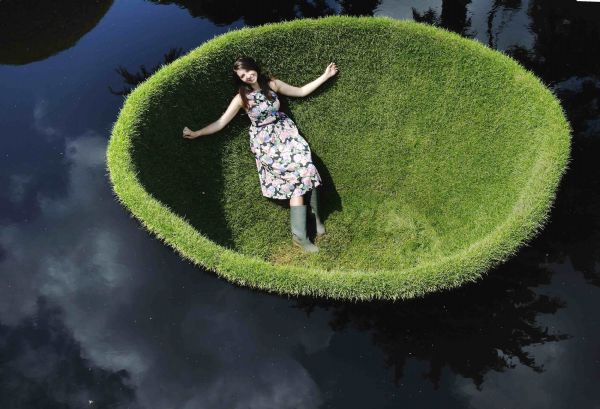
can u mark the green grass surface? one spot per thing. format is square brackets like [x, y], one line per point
[440, 157]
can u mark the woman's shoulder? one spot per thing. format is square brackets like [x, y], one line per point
[274, 84]
[237, 99]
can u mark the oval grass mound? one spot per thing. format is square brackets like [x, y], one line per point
[440, 157]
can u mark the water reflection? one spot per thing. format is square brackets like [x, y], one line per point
[575, 232]
[229, 11]
[358, 7]
[512, 6]
[475, 329]
[134, 79]
[33, 30]
[43, 366]
[93, 308]
[567, 36]
[122, 308]
[453, 16]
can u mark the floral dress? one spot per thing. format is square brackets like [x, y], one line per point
[283, 157]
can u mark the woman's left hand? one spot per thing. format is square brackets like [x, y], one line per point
[331, 70]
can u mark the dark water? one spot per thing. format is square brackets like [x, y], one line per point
[96, 313]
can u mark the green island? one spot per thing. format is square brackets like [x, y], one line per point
[440, 158]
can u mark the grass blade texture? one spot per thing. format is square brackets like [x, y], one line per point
[440, 157]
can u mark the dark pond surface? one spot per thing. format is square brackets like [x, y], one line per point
[96, 313]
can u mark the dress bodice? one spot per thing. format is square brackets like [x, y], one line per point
[261, 111]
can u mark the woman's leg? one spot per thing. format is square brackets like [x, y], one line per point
[297, 201]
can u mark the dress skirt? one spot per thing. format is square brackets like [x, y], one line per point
[283, 159]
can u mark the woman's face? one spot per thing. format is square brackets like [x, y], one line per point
[247, 76]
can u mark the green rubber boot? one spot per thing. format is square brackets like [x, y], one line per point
[298, 223]
[315, 210]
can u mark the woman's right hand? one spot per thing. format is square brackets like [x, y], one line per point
[188, 133]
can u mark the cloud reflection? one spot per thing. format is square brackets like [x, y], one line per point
[132, 310]
[40, 111]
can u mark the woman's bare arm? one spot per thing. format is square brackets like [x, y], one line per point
[232, 109]
[291, 91]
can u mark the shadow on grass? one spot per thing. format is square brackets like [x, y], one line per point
[195, 193]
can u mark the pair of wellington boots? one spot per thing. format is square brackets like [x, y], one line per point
[298, 224]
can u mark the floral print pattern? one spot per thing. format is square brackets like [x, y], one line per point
[283, 157]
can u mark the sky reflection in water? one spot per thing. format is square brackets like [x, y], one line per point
[95, 312]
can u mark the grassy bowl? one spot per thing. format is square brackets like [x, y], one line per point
[440, 157]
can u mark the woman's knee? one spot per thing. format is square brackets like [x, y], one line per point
[297, 200]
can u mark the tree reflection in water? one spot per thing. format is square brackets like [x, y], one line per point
[226, 12]
[453, 17]
[133, 79]
[472, 330]
[32, 30]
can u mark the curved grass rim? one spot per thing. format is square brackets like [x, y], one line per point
[527, 218]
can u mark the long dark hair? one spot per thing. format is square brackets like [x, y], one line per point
[248, 63]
